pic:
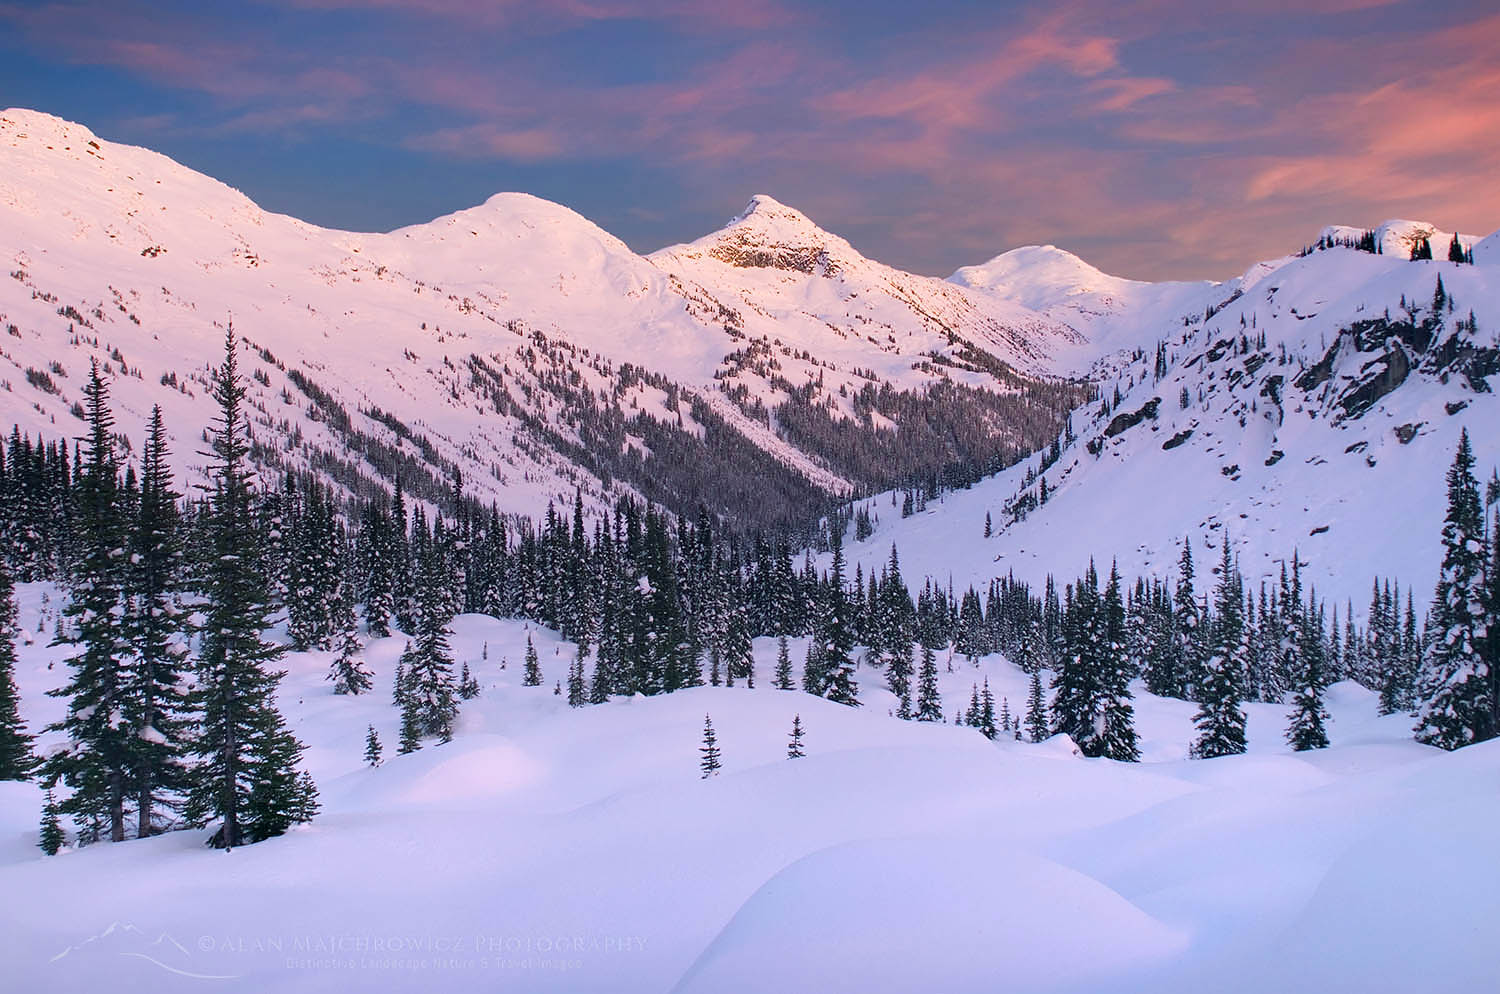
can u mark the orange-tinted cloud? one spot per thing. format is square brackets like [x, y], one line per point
[1147, 134]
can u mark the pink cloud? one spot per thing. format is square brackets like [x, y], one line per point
[1120, 94]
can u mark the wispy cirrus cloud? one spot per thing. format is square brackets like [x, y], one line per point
[1157, 137]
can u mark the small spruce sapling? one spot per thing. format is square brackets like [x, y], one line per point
[372, 747]
[51, 837]
[709, 765]
[533, 672]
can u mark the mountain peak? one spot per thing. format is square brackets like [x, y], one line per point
[24, 119]
[1045, 264]
[768, 234]
[763, 209]
[1398, 236]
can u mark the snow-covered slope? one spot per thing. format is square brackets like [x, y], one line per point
[1322, 408]
[515, 341]
[1112, 313]
[519, 343]
[550, 849]
[792, 279]
[1398, 237]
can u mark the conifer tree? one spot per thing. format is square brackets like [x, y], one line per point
[532, 675]
[1308, 727]
[1036, 710]
[794, 747]
[577, 686]
[16, 759]
[1221, 688]
[96, 761]
[929, 701]
[429, 667]
[898, 679]
[814, 673]
[372, 747]
[157, 629]
[599, 684]
[1117, 739]
[51, 837]
[379, 568]
[1186, 661]
[468, 687]
[247, 778]
[709, 765]
[986, 723]
[349, 672]
[838, 663]
[783, 680]
[398, 684]
[1458, 689]
[739, 657]
[411, 725]
[1077, 705]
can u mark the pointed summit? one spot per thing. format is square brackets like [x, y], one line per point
[768, 234]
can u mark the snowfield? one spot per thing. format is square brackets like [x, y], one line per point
[1312, 404]
[550, 849]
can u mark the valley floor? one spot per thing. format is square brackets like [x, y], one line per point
[552, 849]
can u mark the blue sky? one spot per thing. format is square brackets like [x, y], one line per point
[1154, 137]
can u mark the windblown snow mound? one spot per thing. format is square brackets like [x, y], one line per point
[926, 914]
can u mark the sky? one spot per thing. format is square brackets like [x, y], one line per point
[1155, 138]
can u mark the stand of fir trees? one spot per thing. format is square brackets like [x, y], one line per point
[170, 679]
[155, 735]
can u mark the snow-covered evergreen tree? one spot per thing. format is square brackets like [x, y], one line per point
[577, 685]
[783, 679]
[468, 687]
[247, 778]
[1117, 738]
[532, 674]
[372, 747]
[838, 661]
[1077, 705]
[50, 837]
[1308, 728]
[738, 657]
[1036, 710]
[429, 668]
[96, 760]
[794, 746]
[1458, 687]
[814, 671]
[929, 700]
[986, 718]
[1221, 687]
[16, 759]
[157, 628]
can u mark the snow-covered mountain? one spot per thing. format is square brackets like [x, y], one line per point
[1314, 407]
[767, 367]
[515, 341]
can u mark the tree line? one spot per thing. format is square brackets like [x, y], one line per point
[171, 717]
